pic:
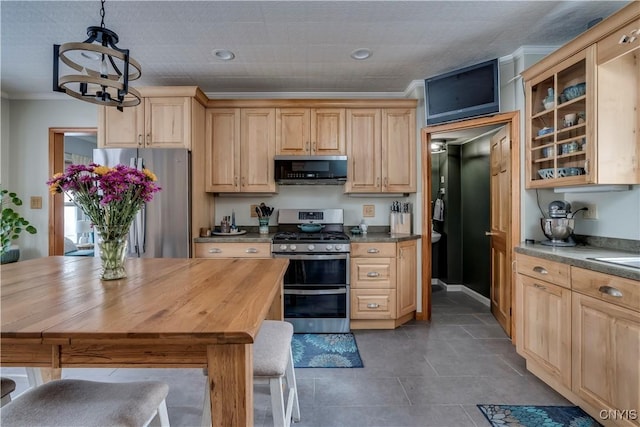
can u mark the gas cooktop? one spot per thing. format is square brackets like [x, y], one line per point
[287, 236]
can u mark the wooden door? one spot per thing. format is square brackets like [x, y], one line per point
[606, 346]
[257, 148]
[398, 150]
[292, 131]
[363, 150]
[328, 131]
[168, 122]
[222, 150]
[545, 326]
[501, 228]
[406, 283]
[121, 129]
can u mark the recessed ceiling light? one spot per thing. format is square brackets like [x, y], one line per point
[223, 54]
[360, 54]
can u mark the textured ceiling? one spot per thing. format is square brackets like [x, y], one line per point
[294, 46]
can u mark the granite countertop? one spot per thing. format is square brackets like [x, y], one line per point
[381, 237]
[579, 256]
[249, 237]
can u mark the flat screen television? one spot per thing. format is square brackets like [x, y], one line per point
[467, 92]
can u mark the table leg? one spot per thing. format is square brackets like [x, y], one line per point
[230, 382]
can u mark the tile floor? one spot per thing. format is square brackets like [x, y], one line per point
[421, 374]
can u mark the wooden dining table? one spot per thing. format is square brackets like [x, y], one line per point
[170, 313]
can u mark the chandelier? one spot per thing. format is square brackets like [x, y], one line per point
[103, 69]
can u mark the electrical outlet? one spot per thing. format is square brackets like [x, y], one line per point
[253, 211]
[591, 212]
[36, 202]
[368, 210]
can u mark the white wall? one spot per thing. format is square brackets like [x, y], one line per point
[27, 146]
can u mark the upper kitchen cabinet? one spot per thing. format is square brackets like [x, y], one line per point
[310, 131]
[381, 145]
[581, 111]
[240, 146]
[163, 119]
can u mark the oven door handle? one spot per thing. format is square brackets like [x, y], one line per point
[313, 256]
[315, 291]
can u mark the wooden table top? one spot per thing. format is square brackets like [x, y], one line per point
[204, 301]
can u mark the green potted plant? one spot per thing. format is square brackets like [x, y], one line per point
[11, 226]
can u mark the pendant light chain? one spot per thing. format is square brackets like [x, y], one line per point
[102, 14]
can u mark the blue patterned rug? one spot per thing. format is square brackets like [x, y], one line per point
[325, 351]
[537, 416]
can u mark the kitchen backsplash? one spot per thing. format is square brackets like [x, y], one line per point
[312, 197]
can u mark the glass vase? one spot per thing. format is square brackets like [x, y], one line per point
[113, 253]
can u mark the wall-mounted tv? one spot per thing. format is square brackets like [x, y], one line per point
[468, 92]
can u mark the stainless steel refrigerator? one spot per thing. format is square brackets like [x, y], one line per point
[162, 227]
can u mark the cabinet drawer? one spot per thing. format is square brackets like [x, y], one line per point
[233, 250]
[613, 289]
[371, 250]
[373, 273]
[619, 43]
[373, 303]
[543, 269]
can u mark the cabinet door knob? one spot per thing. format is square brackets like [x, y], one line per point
[373, 305]
[540, 270]
[251, 251]
[215, 251]
[373, 250]
[148, 139]
[373, 274]
[611, 291]
[140, 139]
[315, 147]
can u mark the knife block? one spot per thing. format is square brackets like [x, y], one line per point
[400, 223]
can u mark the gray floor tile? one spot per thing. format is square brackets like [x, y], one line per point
[421, 374]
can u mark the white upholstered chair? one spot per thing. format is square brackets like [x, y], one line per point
[87, 403]
[273, 362]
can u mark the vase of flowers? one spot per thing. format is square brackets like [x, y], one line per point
[111, 198]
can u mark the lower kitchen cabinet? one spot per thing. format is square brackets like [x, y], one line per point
[579, 331]
[606, 344]
[233, 250]
[383, 284]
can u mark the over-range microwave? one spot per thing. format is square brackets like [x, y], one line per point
[301, 170]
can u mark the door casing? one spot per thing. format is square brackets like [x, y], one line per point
[513, 119]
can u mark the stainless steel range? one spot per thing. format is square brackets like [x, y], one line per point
[316, 284]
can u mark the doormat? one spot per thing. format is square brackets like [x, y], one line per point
[536, 416]
[325, 351]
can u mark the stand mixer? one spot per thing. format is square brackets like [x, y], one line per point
[559, 226]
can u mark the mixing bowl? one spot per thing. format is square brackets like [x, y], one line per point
[557, 229]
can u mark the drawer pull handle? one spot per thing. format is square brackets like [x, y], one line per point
[373, 251]
[373, 305]
[251, 251]
[611, 291]
[540, 270]
[215, 251]
[373, 274]
[535, 285]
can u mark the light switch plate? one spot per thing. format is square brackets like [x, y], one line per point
[369, 210]
[36, 202]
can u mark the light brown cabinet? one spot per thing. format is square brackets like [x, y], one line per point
[381, 146]
[232, 250]
[606, 342]
[581, 110]
[310, 131]
[158, 122]
[383, 284]
[579, 331]
[240, 146]
[544, 310]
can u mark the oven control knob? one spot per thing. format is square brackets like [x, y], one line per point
[283, 247]
[311, 247]
[329, 247]
[338, 247]
[292, 247]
